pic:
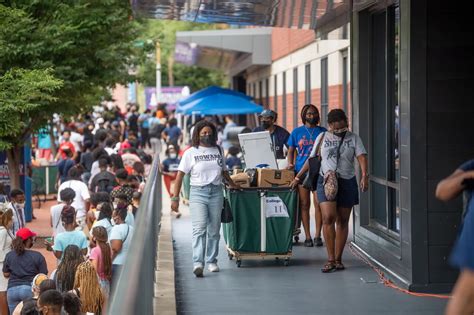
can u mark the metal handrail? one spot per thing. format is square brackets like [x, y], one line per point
[134, 291]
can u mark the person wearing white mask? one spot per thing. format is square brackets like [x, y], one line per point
[169, 167]
[17, 205]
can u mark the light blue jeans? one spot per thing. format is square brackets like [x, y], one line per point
[17, 294]
[205, 204]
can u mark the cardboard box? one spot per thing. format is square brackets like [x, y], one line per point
[241, 179]
[274, 178]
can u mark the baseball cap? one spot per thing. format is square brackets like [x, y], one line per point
[25, 233]
[267, 113]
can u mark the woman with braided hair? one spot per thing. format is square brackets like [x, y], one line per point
[64, 275]
[101, 257]
[87, 288]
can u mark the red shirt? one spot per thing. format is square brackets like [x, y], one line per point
[64, 145]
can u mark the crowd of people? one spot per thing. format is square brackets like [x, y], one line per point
[103, 161]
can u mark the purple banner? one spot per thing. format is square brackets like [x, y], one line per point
[186, 53]
[169, 95]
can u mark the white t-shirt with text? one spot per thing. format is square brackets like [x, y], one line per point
[204, 164]
[82, 194]
[352, 148]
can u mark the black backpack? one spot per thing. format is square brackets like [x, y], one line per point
[104, 185]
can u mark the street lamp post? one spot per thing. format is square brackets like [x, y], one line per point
[158, 72]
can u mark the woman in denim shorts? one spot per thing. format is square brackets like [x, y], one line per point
[205, 162]
[339, 157]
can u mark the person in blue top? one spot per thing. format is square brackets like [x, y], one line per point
[462, 256]
[278, 135]
[172, 134]
[144, 122]
[300, 144]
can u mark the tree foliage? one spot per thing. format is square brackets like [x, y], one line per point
[165, 32]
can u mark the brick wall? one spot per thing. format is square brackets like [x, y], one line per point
[286, 41]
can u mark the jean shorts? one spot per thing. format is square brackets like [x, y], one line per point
[347, 193]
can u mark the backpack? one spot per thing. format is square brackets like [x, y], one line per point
[104, 185]
[156, 130]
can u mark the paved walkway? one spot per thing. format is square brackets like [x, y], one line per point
[267, 287]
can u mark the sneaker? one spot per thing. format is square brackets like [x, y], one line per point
[198, 270]
[213, 267]
[318, 241]
[308, 243]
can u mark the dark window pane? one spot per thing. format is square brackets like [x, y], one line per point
[378, 205]
[324, 91]
[284, 100]
[295, 97]
[308, 83]
[275, 92]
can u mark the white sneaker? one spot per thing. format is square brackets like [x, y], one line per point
[198, 270]
[213, 267]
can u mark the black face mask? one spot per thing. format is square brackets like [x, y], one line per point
[266, 125]
[312, 121]
[206, 140]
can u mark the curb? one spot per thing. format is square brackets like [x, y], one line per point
[165, 294]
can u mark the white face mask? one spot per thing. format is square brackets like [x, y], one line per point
[20, 205]
[173, 155]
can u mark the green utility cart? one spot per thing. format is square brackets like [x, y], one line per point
[263, 223]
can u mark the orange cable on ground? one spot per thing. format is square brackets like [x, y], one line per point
[389, 283]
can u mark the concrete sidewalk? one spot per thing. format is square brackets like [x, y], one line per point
[267, 287]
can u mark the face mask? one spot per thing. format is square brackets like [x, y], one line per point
[173, 155]
[340, 132]
[20, 205]
[312, 121]
[266, 124]
[206, 140]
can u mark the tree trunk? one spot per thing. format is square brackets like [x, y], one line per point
[170, 71]
[54, 150]
[14, 162]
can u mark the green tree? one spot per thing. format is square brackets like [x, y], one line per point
[86, 43]
[24, 96]
[173, 73]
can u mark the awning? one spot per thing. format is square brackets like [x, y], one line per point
[208, 92]
[238, 49]
[220, 104]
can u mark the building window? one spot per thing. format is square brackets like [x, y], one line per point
[260, 92]
[275, 92]
[254, 88]
[267, 92]
[324, 91]
[384, 128]
[284, 99]
[307, 84]
[345, 83]
[295, 97]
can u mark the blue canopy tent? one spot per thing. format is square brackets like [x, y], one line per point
[210, 91]
[220, 104]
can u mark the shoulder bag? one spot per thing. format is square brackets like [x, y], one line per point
[311, 180]
[330, 184]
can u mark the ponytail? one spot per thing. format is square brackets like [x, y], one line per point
[19, 246]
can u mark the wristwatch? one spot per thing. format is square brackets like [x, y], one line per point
[174, 198]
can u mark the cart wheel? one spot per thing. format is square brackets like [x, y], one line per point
[277, 258]
[287, 262]
[297, 239]
[238, 263]
[230, 256]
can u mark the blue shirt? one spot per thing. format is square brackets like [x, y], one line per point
[44, 140]
[303, 138]
[279, 140]
[171, 165]
[63, 240]
[24, 268]
[233, 161]
[173, 133]
[144, 118]
[462, 255]
[63, 169]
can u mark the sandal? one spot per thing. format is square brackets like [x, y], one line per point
[339, 265]
[330, 266]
